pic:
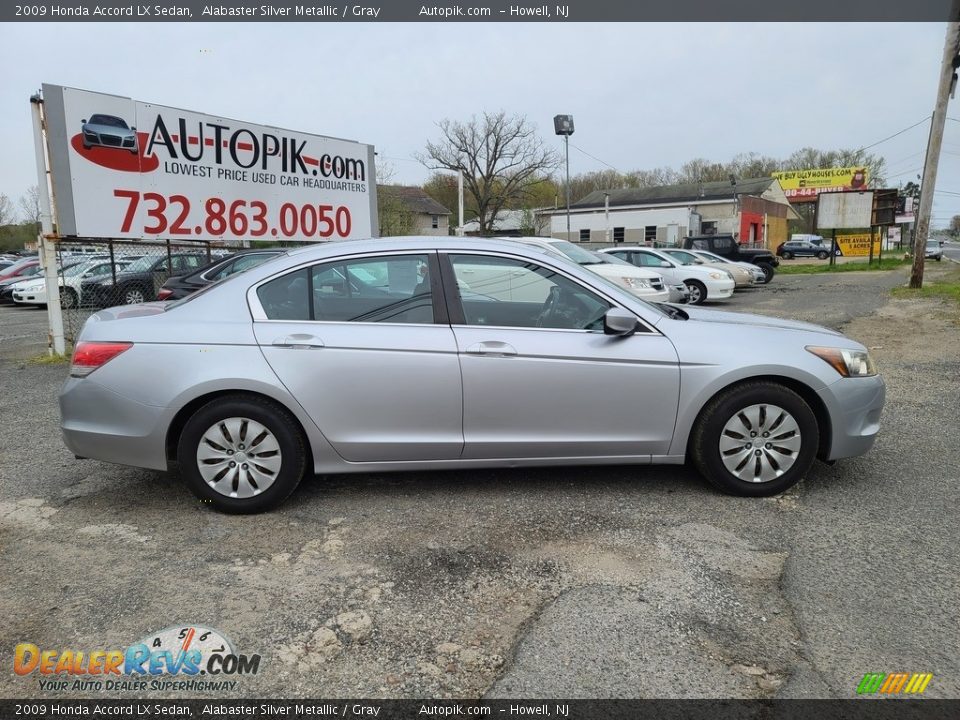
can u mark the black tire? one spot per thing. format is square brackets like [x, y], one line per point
[768, 270]
[823, 255]
[787, 255]
[279, 422]
[705, 438]
[698, 292]
[68, 299]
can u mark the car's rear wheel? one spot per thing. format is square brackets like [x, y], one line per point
[823, 254]
[242, 454]
[68, 299]
[698, 292]
[755, 439]
[787, 255]
[768, 271]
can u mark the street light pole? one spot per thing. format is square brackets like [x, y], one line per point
[563, 125]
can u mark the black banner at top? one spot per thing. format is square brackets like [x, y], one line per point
[483, 11]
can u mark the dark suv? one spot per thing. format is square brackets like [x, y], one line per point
[802, 248]
[727, 246]
[139, 280]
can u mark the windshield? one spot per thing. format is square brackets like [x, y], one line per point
[78, 269]
[684, 257]
[577, 254]
[933, 243]
[141, 264]
[713, 258]
[614, 260]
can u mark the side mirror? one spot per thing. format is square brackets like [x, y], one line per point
[664, 263]
[619, 322]
[133, 127]
[84, 121]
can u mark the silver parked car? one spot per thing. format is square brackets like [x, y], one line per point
[425, 353]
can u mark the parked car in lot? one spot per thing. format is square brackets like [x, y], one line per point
[374, 356]
[759, 277]
[702, 282]
[71, 281]
[933, 251]
[8, 284]
[644, 283]
[179, 286]
[741, 276]
[802, 248]
[20, 268]
[678, 291]
[727, 246]
[139, 281]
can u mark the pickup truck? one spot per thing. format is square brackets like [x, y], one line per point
[726, 246]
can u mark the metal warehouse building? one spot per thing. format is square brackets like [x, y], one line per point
[754, 211]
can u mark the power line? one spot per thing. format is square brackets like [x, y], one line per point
[901, 132]
[602, 162]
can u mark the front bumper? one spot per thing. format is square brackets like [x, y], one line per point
[855, 406]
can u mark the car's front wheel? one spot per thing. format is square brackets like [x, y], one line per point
[787, 255]
[823, 255]
[755, 439]
[68, 299]
[134, 296]
[242, 454]
[768, 271]
[697, 290]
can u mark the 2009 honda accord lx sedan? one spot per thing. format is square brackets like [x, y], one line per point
[426, 353]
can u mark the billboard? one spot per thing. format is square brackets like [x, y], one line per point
[839, 210]
[123, 168]
[857, 244]
[805, 185]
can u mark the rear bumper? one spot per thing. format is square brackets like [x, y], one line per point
[101, 424]
[855, 406]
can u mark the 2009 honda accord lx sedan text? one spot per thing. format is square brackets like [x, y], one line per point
[425, 353]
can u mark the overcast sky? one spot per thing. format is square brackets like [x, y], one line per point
[642, 95]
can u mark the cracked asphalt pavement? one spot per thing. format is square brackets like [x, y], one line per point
[566, 582]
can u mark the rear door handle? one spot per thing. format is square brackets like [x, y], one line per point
[298, 341]
[492, 347]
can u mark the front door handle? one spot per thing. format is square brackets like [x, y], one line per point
[492, 347]
[298, 341]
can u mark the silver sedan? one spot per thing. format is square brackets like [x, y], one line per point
[425, 353]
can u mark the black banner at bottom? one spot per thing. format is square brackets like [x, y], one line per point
[857, 709]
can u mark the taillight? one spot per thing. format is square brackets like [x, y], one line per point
[164, 293]
[88, 356]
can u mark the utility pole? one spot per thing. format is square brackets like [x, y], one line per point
[951, 53]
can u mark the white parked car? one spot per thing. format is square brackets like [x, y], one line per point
[702, 282]
[34, 291]
[759, 278]
[646, 284]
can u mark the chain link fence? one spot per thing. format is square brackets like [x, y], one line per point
[95, 274]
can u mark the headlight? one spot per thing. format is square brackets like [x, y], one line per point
[849, 363]
[636, 283]
[719, 275]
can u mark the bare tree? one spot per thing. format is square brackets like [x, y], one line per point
[501, 157]
[955, 226]
[30, 206]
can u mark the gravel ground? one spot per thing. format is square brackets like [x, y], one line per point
[606, 582]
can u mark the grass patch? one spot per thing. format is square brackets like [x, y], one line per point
[47, 359]
[825, 267]
[946, 286]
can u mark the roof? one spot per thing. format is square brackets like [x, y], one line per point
[718, 190]
[414, 199]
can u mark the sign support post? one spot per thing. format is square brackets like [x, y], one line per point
[48, 251]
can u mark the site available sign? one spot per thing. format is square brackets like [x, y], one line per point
[128, 169]
[805, 185]
[857, 244]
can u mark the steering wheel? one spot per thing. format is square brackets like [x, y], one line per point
[549, 306]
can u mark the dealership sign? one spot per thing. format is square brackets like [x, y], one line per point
[127, 169]
[805, 185]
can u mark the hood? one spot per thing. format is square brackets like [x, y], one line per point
[620, 271]
[736, 318]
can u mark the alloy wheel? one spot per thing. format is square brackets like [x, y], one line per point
[134, 296]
